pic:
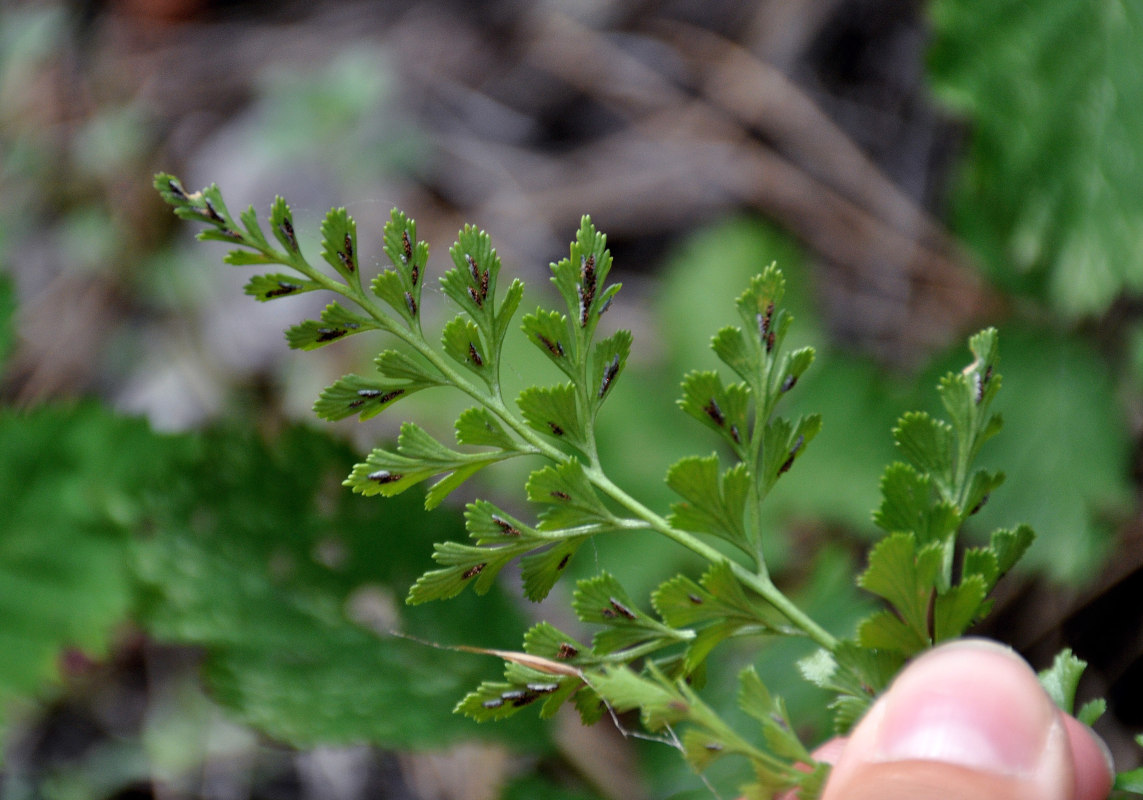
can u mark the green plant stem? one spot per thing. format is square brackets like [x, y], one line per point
[757, 441]
[758, 582]
[631, 653]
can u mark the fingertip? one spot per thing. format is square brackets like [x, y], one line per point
[961, 717]
[1094, 768]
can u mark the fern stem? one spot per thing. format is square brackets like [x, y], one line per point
[758, 582]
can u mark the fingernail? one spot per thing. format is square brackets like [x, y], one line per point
[972, 703]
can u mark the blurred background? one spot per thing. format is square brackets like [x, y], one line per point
[190, 604]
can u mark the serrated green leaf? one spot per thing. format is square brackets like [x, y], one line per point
[403, 366]
[548, 330]
[623, 690]
[1090, 712]
[581, 277]
[819, 668]
[465, 565]
[847, 711]
[852, 669]
[701, 749]
[505, 310]
[545, 639]
[417, 443]
[1062, 678]
[909, 504]
[353, 394]
[602, 600]
[985, 348]
[608, 360]
[885, 631]
[981, 562]
[170, 189]
[494, 701]
[906, 498]
[471, 284]
[488, 524]
[764, 320]
[220, 234]
[959, 399]
[759, 703]
[590, 705]
[603, 299]
[980, 489]
[339, 243]
[215, 206]
[719, 580]
[927, 443]
[554, 411]
[706, 640]
[753, 696]
[401, 286]
[387, 473]
[452, 481]
[729, 345]
[721, 601]
[282, 225]
[682, 603]
[540, 571]
[571, 498]
[761, 299]
[419, 456]
[713, 504]
[336, 323]
[1009, 546]
[389, 286]
[477, 426]
[249, 219]
[271, 287]
[246, 258]
[552, 693]
[794, 365]
[957, 608]
[463, 343]
[905, 576]
[721, 408]
[475, 566]
[1064, 448]
[205, 205]
[784, 444]
[523, 686]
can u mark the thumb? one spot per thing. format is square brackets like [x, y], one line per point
[965, 721]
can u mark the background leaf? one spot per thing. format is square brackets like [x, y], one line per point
[1049, 193]
[74, 483]
[270, 565]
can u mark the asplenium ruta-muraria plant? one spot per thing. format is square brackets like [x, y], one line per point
[646, 654]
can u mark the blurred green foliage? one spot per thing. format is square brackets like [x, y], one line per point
[247, 548]
[292, 585]
[71, 480]
[1050, 190]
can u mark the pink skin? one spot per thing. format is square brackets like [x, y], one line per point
[967, 721]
